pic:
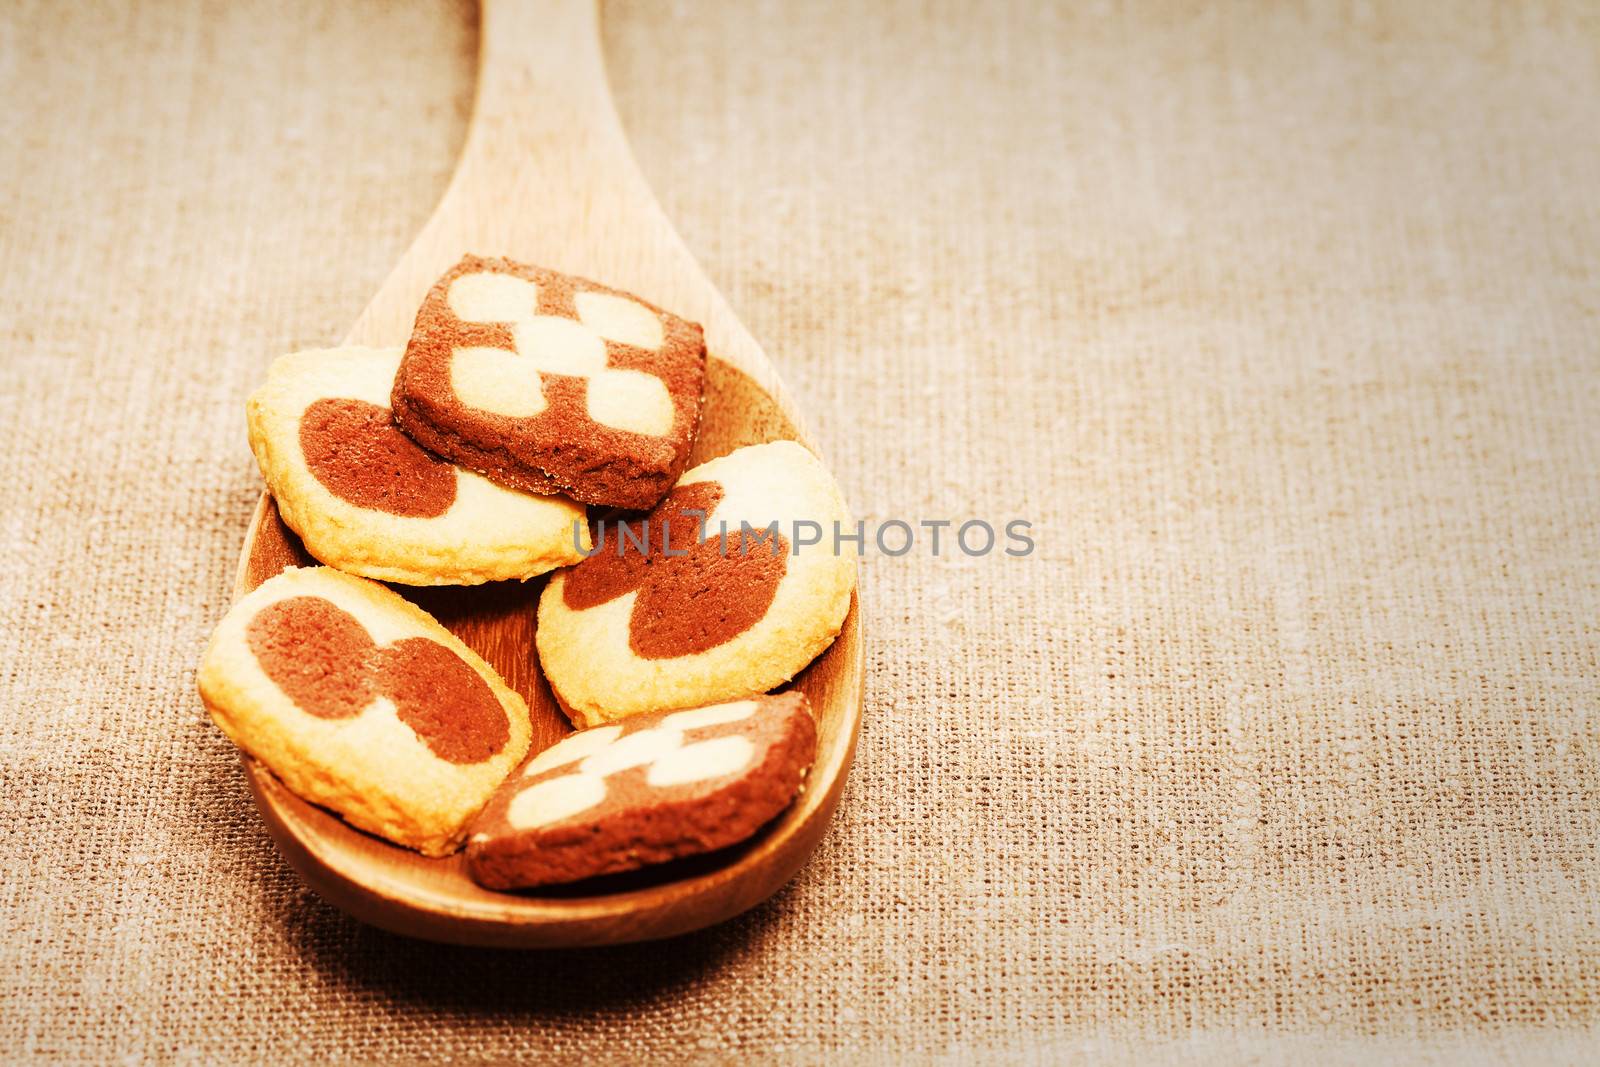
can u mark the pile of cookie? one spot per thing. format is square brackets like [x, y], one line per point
[524, 398]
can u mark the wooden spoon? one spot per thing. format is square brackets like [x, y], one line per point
[546, 177]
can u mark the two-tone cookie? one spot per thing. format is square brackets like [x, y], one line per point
[367, 499]
[710, 597]
[360, 702]
[652, 789]
[552, 384]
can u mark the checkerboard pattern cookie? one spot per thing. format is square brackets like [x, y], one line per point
[655, 788]
[552, 384]
[360, 702]
[365, 498]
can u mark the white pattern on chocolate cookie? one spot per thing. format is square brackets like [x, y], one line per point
[359, 701]
[551, 383]
[367, 499]
[655, 788]
[701, 618]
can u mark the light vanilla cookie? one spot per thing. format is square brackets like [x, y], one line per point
[705, 599]
[367, 499]
[360, 702]
[652, 789]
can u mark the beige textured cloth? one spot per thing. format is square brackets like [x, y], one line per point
[1282, 326]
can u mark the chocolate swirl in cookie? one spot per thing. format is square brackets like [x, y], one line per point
[357, 452]
[695, 592]
[327, 663]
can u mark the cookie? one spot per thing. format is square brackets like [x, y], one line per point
[652, 789]
[365, 498]
[704, 600]
[552, 384]
[360, 702]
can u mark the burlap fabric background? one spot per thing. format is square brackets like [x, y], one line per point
[1282, 327]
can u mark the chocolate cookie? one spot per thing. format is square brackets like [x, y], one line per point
[553, 384]
[367, 499]
[359, 701]
[652, 789]
[712, 596]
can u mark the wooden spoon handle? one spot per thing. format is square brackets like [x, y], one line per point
[546, 176]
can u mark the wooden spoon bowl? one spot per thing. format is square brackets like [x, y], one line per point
[546, 177]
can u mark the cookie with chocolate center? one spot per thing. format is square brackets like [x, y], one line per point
[652, 789]
[730, 586]
[551, 383]
[360, 702]
[367, 499]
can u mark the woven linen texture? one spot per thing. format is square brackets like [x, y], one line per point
[1281, 326]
